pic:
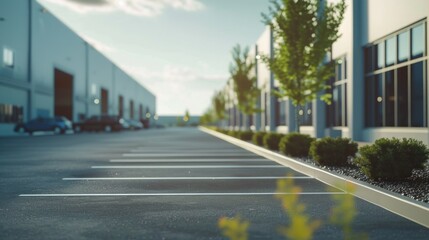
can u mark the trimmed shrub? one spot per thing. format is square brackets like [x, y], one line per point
[333, 151]
[295, 144]
[392, 159]
[223, 131]
[272, 140]
[232, 133]
[245, 135]
[258, 138]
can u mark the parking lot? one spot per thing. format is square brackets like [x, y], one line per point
[158, 184]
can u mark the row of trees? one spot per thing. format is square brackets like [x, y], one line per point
[303, 31]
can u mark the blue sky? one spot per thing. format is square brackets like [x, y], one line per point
[178, 49]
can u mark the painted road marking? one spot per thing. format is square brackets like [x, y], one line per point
[186, 160]
[187, 155]
[193, 166]
[173, 194]
[191, 152]
[183, 178]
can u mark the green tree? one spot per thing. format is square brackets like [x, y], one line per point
[186, 117]
[219, 102]
[304, 32]
[207, 118]
[245, 85]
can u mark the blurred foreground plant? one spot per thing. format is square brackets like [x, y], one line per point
[234, 228]
[344, 211]
[301, 227]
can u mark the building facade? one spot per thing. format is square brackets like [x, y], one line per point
[380, 86]
[47, 70]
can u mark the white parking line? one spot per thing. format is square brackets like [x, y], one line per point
[193, 166]
[169, 151]
[173, 194]
[182, 178]
[186, 160]
[187, 155]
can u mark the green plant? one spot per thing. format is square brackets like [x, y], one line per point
[234, 228]
[258, 138]
[333, 151]
[271, 140]
[232, 133]
[392, 159]
[245, 135]
[301, 226]
[244, 81]
[304, 32]
[295, 144]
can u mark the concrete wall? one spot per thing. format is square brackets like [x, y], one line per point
[14, 36]
[40, 44]
[54, 46]
[365, 22]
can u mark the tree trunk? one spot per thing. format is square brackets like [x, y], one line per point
[297, 122]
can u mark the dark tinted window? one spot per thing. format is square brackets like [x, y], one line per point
[417, 95]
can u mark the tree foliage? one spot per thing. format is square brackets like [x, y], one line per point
[207, 118]
[245, 85]
[219, 102]
[187, 116]
[303, 32]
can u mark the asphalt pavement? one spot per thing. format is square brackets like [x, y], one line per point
[172, 183]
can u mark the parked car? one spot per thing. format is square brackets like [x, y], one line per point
[134, 124]
[56, 124]
[106, 123]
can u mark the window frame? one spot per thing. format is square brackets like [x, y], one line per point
[372, 70]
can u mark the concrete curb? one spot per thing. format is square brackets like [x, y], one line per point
[396, 203]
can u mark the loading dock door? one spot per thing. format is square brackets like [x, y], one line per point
[121, 106]
[104, 101]
[63, 97]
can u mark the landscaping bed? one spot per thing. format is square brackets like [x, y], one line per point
[415, 187]
[385, 164]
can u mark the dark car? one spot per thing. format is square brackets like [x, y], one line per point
[134, 124]
[56, 124]
[106, 123]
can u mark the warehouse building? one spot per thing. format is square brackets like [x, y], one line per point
[380, 86]
[47, 69]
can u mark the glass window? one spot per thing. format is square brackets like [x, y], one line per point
[8, 57]
[250, 119]
[417, 41]
[283, 113]
[378, 90]
[403, 46]
[380, 55]
[306, 115]
[402, 99]
[369, 102]
[417, 95]
[390, 51]
[390, 98]
[338, 105]
[339, 70]
[345, 104]
[277, 112]
[11, 113]
[368, 59]
[329, 108]
[345, 68]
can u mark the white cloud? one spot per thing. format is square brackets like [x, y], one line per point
[145, 8]
[178, 88]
